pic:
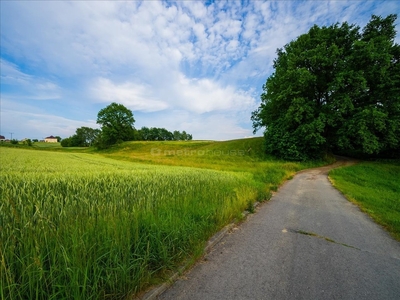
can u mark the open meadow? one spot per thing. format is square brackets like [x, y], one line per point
[85, 226]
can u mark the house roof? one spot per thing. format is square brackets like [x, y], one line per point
[2, 137]
[50, 137]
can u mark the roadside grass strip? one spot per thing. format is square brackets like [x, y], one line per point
[375, 188]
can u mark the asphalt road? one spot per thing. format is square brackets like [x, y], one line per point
[307, 242]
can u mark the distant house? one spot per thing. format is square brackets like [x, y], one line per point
[2, 138]
[50, 139]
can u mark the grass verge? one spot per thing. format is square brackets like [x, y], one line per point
[375, 188]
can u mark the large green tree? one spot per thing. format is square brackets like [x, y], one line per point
[116, 123]
[334, 88]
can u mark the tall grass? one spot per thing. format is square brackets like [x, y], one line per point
[82, 226]
[375, 188]
[77, 226]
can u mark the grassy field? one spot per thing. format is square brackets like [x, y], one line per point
[106, 225]
[243, 155]
[58, 147]
[38, 145]
[375, 188]
[46, 146]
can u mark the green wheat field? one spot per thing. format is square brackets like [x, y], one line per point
[86, 226]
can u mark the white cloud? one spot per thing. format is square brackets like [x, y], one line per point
[194, 95]
[205, 95]
[28, 122]
[216, 127]
[136, 97]
[213, 126]
[29, 86]
[11, 75]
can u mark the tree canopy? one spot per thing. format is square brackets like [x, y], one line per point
[116, 123]
[83, 137]
[334, 88]
[161, 134]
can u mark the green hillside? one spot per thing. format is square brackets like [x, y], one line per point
[190, 153]
[242, 155]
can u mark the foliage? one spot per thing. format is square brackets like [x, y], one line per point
[84, 137]
[374, 186]
[27, 142]
[14, 142]
[161, 134]
[116, 123]
[334, 89]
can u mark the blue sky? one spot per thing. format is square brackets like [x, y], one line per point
[197, 66]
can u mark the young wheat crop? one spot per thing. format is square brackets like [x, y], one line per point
[79, 226]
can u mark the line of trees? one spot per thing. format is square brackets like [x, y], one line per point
[83, 137]
[160, 134]
[117, 125]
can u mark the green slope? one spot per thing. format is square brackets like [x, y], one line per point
[242, 155]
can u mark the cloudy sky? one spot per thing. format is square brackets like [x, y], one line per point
[197, 66]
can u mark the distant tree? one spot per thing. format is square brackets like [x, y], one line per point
[334, 89]
[154, 134]
[160, 134]
[184, 136]
[165, 135]
[177, 135]
[14, 141]
[35, 140]
[83, 137]
[87, 136]
[116, 123]
[58, 138]
[145, 133]
[66, 142]
[27, 142]
[137, 135]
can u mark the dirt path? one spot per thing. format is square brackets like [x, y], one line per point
[307, 242]
[341, 161]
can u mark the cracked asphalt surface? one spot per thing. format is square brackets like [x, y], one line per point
[307, 242]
